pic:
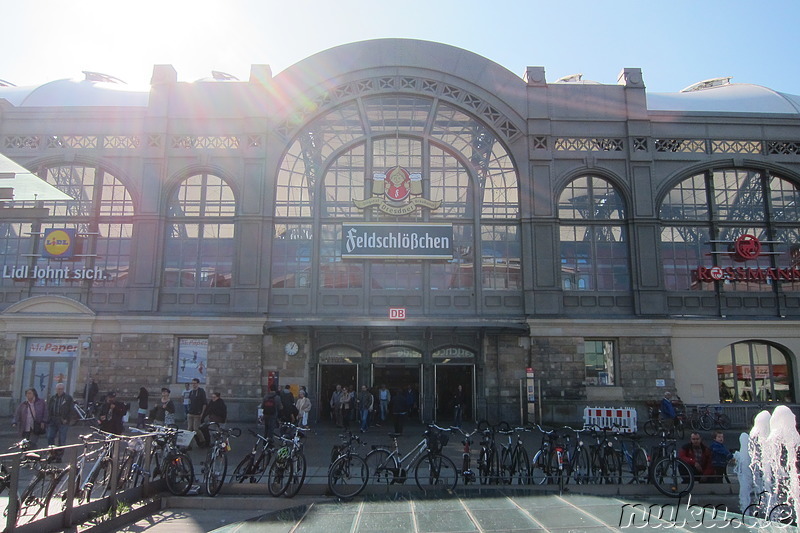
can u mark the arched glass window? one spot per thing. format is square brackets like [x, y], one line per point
[754, 371]
[341, 168]
[200, 234]
[705, 215]
[101, 217]
[593, 237]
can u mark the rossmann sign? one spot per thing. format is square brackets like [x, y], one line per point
[745, 248]
[390, 241]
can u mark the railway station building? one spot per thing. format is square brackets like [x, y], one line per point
[404, 213]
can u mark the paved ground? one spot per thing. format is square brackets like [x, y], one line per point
[403, 508]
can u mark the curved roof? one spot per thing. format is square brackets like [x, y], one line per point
[76, 93]
[731, 98]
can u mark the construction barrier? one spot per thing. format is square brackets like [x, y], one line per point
[609, 417]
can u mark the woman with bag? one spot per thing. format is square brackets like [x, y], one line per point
[163, 414]
[142, 412]
[303, 406]
[30, 417]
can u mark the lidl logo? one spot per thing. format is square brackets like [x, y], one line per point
[59, 243]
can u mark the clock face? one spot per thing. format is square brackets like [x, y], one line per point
[291, 348]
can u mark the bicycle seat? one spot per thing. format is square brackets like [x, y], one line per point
[395, 435]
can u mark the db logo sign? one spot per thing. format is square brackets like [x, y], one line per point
[397, 313]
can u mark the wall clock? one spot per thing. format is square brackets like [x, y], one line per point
[291, 348]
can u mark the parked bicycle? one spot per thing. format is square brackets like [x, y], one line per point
[550, 464]
[288, 471]
[215, 467]
[84, 416]
[671, 476]
[432, 470]
[467, 475]
[348, 473]
[633, 460]
[514, 462]
[712, 419]
[34, 500]
[254, 465]
[488, 459]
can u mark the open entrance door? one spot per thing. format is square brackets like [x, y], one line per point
[331, 375]
[397, 378]
[448, 378]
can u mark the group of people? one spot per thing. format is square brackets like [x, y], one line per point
[281, 406]
[372, 407]
[35, 417]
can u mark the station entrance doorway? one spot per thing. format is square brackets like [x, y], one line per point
[397, 378]
[448, 378]
[331, 375]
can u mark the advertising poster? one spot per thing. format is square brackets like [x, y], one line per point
[192, 360]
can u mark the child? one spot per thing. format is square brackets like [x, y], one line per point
[720, 456]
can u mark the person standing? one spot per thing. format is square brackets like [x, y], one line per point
[271, 409]
[303, 406]
[458, 406]
[30, 418]
[141, 414]
[217, 411]
[186, 392]
[365, 405]
[287, 400]
[399, 411]
[89, 395]
[412, 405]
[336, 405]
[111, 413]
[197, 407]
[59, 409]
[667, 412]
[384, 397]
[163, 414]
[345, 400]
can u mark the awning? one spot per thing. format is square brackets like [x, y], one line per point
[24, 185]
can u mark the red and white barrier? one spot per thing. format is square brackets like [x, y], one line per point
[609, 417]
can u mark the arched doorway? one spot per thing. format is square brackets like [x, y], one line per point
[754, 371]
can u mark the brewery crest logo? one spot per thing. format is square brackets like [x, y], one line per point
[397, 192]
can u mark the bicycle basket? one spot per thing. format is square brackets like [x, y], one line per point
[437, 441]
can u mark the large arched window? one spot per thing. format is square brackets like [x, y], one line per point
[754, 372]
[339, 169]
[101, 217]
[199, 248]
[594, 242]
[705, 215]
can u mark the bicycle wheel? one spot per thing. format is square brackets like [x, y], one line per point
[540, 469]
[298, 476]
[613, 467]
[556, 475]
[634, 467]
[244, 470]
[436, 472]
[179, 474]
[260, 466]
[278, 478]
[522, 467]
[724, 421]
[651, 428]
[34, 498]
[347, 476]
[504, 472]
[382, 466]
[216, 470]
[706, 421]
[99, 481]
[672, 477]
[580, 467]
[60, 479]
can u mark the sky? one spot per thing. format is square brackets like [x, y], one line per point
[675, 43]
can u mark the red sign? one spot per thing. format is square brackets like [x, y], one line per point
[397, 313]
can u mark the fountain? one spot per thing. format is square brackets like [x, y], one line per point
[767, 466]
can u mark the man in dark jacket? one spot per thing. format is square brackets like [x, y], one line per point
[59, 409]
[272, 408]
[111, 413]
[698, 456]
[197, 408]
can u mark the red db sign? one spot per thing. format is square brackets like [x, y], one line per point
[397, 313]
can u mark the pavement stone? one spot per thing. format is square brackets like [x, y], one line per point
[248, 507]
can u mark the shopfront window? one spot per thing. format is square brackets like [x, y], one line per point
[599, 357]
[593, 239]
[706, 215]
[754, 372]
[199, 248]
[100, 215]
